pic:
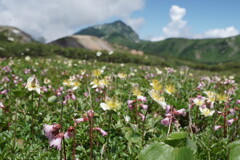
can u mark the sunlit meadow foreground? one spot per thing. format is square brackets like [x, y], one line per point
[72, 109]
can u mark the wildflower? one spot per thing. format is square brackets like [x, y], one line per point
[127, 118]
[156, 97]
[165, 121]
[137, 92]
[1, 105]
[104, 133]
[230, 121]
[110, 52]
[142, 98]
[97, 72]
[27, 58]
[84, 119]
[122, 75]
[95, 83]
[99, 53]
[170, 89]
[142, 116]
[199, 101]
[33, 85]
[217, 127]
[57, 141]
[69, 132]
[46, 81]
[156, 85]
[206, 112]
[90, 113]
[144, 106]
[51, 130]
[111, 104]
[222, 97]
[180, 112]
[158, 71]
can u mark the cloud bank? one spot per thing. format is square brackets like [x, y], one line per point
[177, 27]
[56, 18]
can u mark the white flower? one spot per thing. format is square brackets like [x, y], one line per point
[33, 85]
[27, 58]
[110, 52]
[206, 112]
[99, 53]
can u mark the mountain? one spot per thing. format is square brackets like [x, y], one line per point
[83, 41]
[112, 32]
[13, 34]
[217, 50]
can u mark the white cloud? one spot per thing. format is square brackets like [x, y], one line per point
[226, 32]
[135, 23]
[56, 18]
[177, 27]
[154, 39]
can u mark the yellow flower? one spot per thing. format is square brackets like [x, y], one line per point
[67, 82]
[104, 82]
[156, 97]
[122, 75]
[46, 81]
[136, 92]
[97, 72]
[170, 89]
[211, 96]
[111, 104]
[198, 102]
[206, 112]
[71, 83]
[33, 85]
[95, 83]
[156, 85]
[222, 97]
[75, 85]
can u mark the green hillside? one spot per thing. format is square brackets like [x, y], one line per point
[210, 51]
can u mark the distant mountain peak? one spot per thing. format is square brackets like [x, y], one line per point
[116, 30]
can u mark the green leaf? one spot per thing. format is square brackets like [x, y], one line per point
[157, 151]
[133, 137]
[191, 144]
[177, 139]
[52, 99]
[234, 149]
[183, 153]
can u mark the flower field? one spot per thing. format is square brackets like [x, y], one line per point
[75, 109]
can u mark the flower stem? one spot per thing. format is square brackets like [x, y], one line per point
[91, 138]
[143, 123]
[74, 142]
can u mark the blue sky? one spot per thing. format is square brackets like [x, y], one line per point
[152, 19]
[201, 16]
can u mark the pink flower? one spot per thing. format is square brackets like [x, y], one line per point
[165, 121]
[51, 130]
[84, 119]
[230, 121]
[142, 98]
[1, 105]
[217, 127]
[144, 106]
[104, 133]
[57, 141]
[90, 113]
[180, 112]
[142, 116]
[238, 101]
[4, 92]
[69, 132]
